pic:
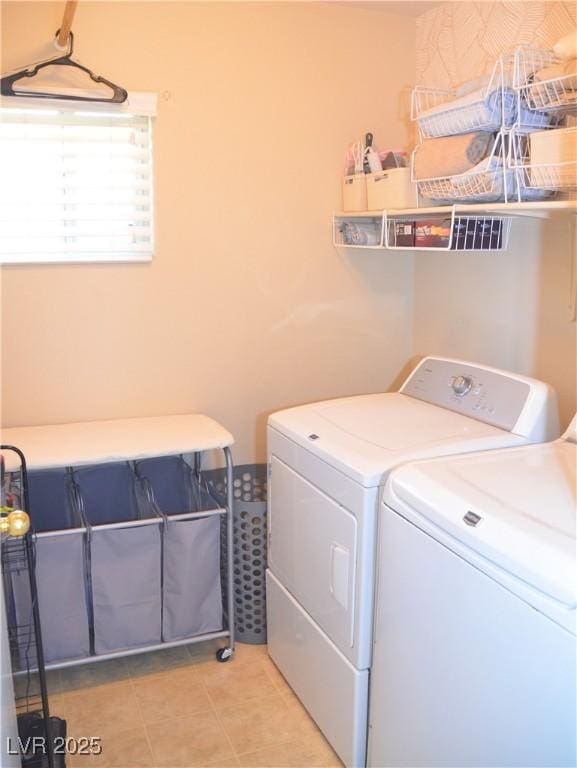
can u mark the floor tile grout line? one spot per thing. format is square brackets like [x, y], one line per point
[218, 715]
[219, 721]
[280, 682]
[163, 673]
[254, 697]
[260, 660]
[269, 746]
[250, 700]
[280, 685]
[144, 726]
[266, 746]
[213, 710]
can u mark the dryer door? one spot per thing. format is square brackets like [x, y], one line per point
[312, 551]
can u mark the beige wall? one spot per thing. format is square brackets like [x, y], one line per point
[504, 309]
[246, 307]
[508, 309]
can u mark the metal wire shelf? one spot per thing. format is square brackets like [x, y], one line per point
[359, 230]
[549, 178]
[17, 561]
[447, 112]
[442, 232]
[450, 227]
[488, 182]
[542, 89]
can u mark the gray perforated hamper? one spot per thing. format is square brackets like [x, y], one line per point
[250, 547]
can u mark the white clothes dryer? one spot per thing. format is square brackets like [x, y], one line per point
[327, 464]
[475, 635]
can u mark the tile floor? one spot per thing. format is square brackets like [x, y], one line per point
[180, 708]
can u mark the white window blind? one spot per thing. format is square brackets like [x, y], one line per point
[76, 183]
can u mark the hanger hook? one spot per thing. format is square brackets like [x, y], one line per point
[69, 42]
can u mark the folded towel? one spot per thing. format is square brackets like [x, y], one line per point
[450, 155]
[486, 182]
[531, 119]
[470, 113]
[554, 86]
[565, 69]
[488, 165]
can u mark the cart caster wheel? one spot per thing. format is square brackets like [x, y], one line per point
[224, 654]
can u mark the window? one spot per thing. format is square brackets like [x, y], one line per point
[76, 180]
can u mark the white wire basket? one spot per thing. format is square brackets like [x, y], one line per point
[537, 180]
[448, 232]
[352, 230]
[489, 107]
[540, 90]
[490, 181]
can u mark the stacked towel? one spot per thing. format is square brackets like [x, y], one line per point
[485, 183]
[451, 155]
[467, 114]
[555, 85]
[565, 69]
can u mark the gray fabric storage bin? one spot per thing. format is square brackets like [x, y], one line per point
[125, 558]
[191, 592]
[126, 591]
[60, 554]
[250, 546]
[62, 598]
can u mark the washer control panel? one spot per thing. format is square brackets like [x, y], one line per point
[495, 397]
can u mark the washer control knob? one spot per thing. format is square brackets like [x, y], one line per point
[461, 385]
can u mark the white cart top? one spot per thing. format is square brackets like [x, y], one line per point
[99, 442]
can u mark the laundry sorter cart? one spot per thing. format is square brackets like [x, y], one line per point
[128, 536]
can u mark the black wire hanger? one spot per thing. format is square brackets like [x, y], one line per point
[119, 95]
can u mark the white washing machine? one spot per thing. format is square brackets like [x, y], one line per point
[475, 636]
[327, 463]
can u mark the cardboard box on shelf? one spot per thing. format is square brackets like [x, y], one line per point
[477, 234]
[403, 233]
[433, 233]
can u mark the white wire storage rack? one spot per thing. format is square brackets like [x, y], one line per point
[452, 231]
[545, 160]
[448, 228]
[501, 102]
[539, 84]
[543, 179]
[359, 230]
[448, 112]
[490, 181]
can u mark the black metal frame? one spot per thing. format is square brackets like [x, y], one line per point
[25, 639]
